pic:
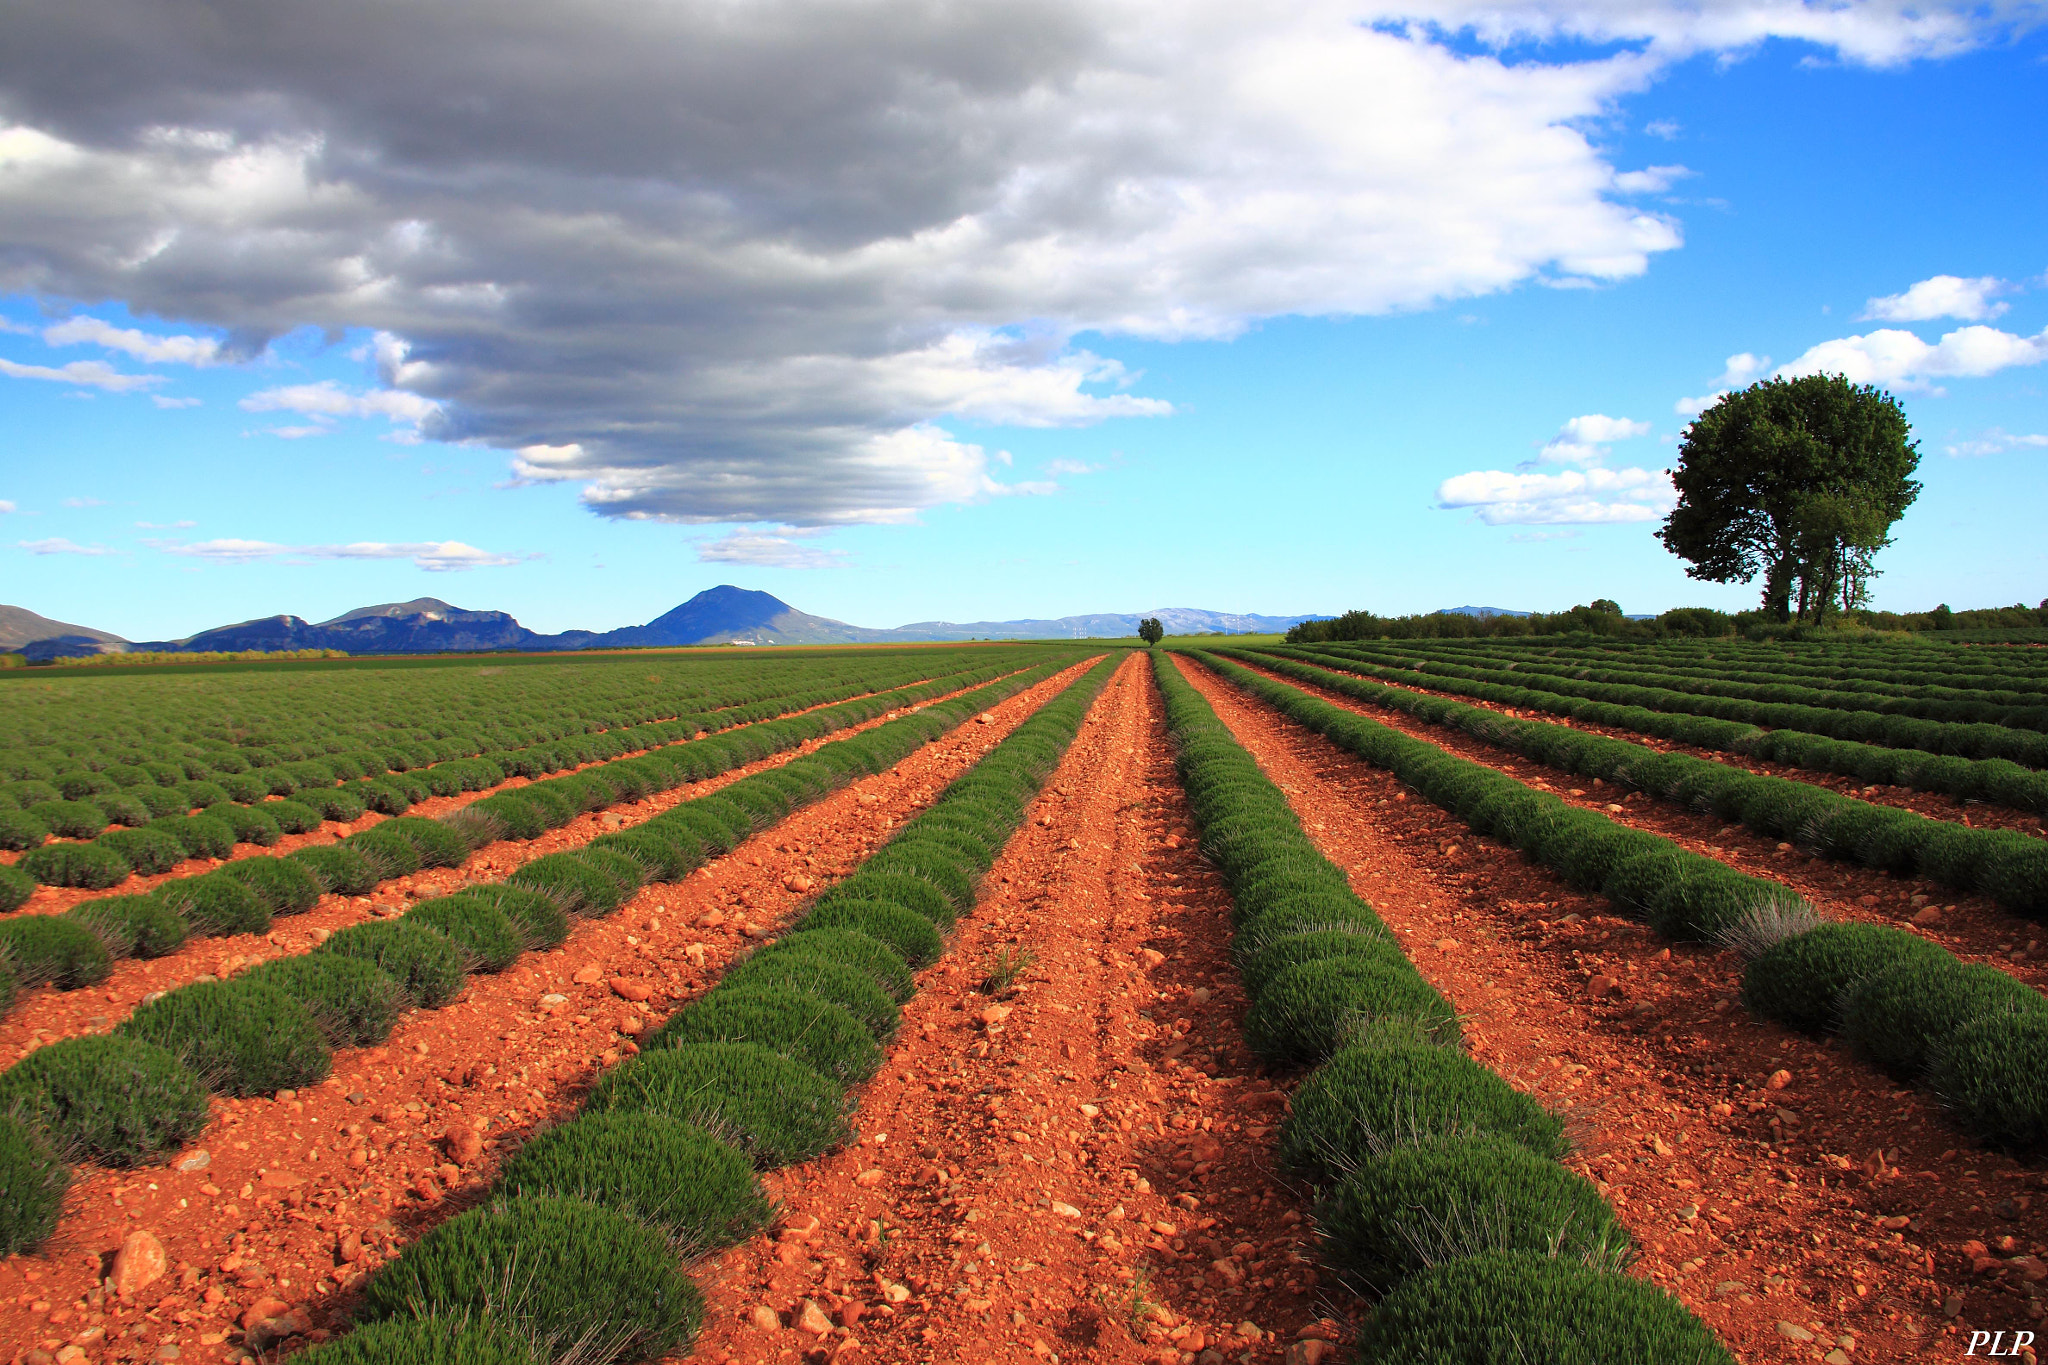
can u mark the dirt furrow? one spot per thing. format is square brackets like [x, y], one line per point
[1776, 1186]
[44, 1016]
[1077, 1167]
[1934, 805]
[284, 1203]
[1972, 927]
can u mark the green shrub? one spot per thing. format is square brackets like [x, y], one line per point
[1898, 1018]
[656, 857]
[146, 851]
[698, 1189]
[942, 867]
[578, 1279]
[1369, 1099]
[459, 1340]
[486, 938]
[436, 844]
[1278, 954]
[20, 830]
[572, 883]
[1993, 1076]
[1309, 1010]
[541, 923]
[293, 817]
[777, 1110]
[334, 803]
[853, 949]
[1636, 880]
[201, 836]
[216, 905]
[251, 826]
[1802, 981]
[352, 1000]
[32, 1185]
[913, 893]
[16, 887]
[242, 1038]
[118, 1101]
[1502, 1306]
[70, 819]
[131, 926]
[285, 887]
[205, 795]
[1305, 915]
[338, 868]
[245, 787]
[809, 967]
[1706, 899]
[556, 808]
[161, 801]
[391, 853]
[520, 816]
[2017, 878]
[425, 964]
[121, 809]
[910, 934]
[91, 866]
[802, 1027]
[53, 950]
[1430, 1202]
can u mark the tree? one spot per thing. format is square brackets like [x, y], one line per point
[1799, 480]
[1150, 631]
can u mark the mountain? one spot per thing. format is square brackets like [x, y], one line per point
[715, 616]
[1480, 611]
[19, 626]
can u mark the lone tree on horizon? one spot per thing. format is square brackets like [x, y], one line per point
[1799, 480]
[1150, 631]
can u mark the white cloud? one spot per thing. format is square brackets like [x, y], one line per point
[739, 264]
[163, 401]
[58, 545]
[178, 350]
[1996, 442]
[1943, 296]
[1651, 179]
[5, 506]
[1573, 497]
[1665, 128]
[1900, 359]
[1740, 371]
[1059, 467]
[1584, 440]
[296, 433]
[166, 525]
[97, 374]
[328, 400]
[784, 551]
[434, 556]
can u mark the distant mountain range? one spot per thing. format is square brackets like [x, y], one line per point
[720, 615]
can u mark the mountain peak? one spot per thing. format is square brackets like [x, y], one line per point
[419, 606]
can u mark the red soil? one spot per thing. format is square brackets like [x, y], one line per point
[1777, 1186]
[1970, 926]
[285, 1203]
[1982, 814]
[1078, 1168]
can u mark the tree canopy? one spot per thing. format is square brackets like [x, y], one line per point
[1799, 480]
[1150, 631]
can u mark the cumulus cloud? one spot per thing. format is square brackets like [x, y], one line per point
[746, 263]
[765, 550]
[327, 401]
[95, 374]
[1574, 497]
[1584, 440]
[164, 401]
[1996, 442]
[58, 545]
[444, 556]
[178, 350]
[1651, 179]
[1895, 357]
[1740, 370]
[5, 506]
[1943, 296]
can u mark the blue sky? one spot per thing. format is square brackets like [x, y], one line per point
[1271, 419]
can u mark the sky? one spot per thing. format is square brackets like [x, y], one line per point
[907, 311]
